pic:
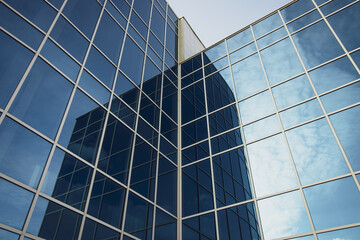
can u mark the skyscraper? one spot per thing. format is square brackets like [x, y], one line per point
[116, 123]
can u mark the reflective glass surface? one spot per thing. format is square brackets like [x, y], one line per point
[261, 128]
[267, 25]
[92, 86]
[316, 45]
[316, 154]
[21, 29]
[347, 32]
[248, 76]
[215, 53]
[349, 233]
[281, 62]
[239, 39]
[42, 99]
[347, 129]
[9, 235]
[256, 107]
[291, 92]
[303, 21]
[14, 60]
[94, 230]
[242, 52]
[277, 224]
[271, 166]
[22, 153]
[109, 37]
[272, 37]
[301, 113]
[202, 227]
[14, 205]
[334, 203]
[333, 75]
[296, 9]
[334, 5]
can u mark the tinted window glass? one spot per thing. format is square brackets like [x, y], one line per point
[239, 39]
[42, 99]
[267, 25]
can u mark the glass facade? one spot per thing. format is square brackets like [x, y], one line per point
[105, 135]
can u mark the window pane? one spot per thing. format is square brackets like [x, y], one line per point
[348, 131]
[9, 235]
[201, 227]
[132, 61]
[275, 223]
[109, 37]
[36, 11]
[243, 52]
[21, 29]
[142, 7]
[94, 230]
[292, 92]
[334, 203]
[84, 14]
[272, 37]
[42, 99]
[92, 86]
[52, 221]
[239, 39]
[314, 145]
[267, 25]
[249, 76]
[296, 9]
[14, 60]
[271, 166]
[22, 153]
[261, 128]
[215, 53]
[281, 61]
[347, 32]
[333, 75]
[256, 107]
[303, 21]
[348, 233]
[316, 45]
[69, 38]
[14, 205]
[158, 24]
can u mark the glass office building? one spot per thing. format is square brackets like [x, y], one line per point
[107, 133]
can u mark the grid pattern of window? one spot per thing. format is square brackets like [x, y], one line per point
[88, 124]
[278, 99]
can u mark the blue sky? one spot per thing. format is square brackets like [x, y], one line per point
[213, 20]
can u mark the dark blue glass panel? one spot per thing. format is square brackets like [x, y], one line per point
[346, 25]
[123, 6]
[223, 120]
[202, 227]
[147, 132]
[235, 223]
[42, 99]
[303, 21]
[348, 131]
[138, 216]
[168, 150]
[84, 14]
[195, 153]
[316, 44]
[356, 57]
[69, 38]
[193, 102]
[136, 36]
[239, 39]
[60, 59]
[21, 29]
[156, 45]
[111, 196]
[267, 25]
[171, 41]
[138, 24]
[143, 7]
[333, 75]
[37, 11]
[109, 37]
[126, 90]
[194, 132]
[152, 81]
[281, 61]
[196, 188]
[132, 61]
[169, 102]
[165, 226]
[14, 60]
[144, 169]
[101, 67]
[296, 9]
[226, 141]
[191, 65]
[23, 154]
[334, 203]
[67, 180]
[56, 3]
[14, 205]
[94, 88]
[97, 231]
[85, 118]
[9, 235]
[149, 111]
[169, 129]
[52, 221]
[115, 14]
[167, 186]
[158, 24]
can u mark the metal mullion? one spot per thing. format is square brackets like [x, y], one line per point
[242, 46]
[317, 95]
[343, 109]
[302, 15]
[210, 153]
